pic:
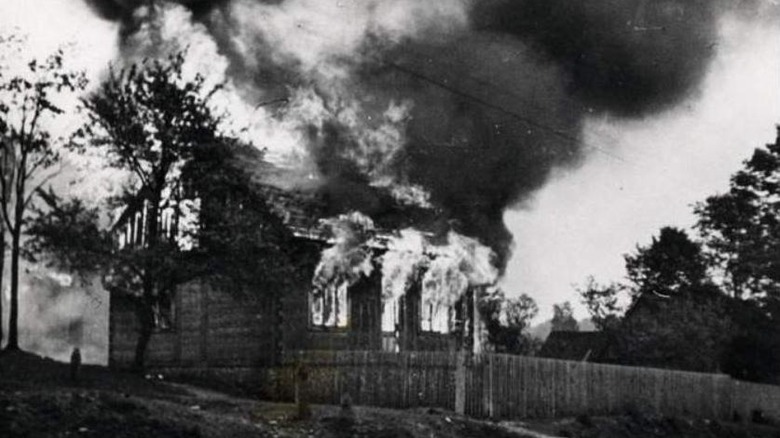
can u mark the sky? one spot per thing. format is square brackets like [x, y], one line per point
[637, 175]
[642, 175]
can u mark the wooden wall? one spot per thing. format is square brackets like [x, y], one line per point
[211, 328]
[217, 329]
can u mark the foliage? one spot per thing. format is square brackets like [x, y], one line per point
[151, 122]
[684, 332]
[243, 245]
[602, 302]
[71, 230]
[677, 317]
[741, 227]
[753, 352]
[671, 265]
[507, 321]
[563, 318]
[28, 104]
[741, 232]
[148, 119]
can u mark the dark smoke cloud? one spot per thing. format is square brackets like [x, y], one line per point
[496, 106]
[114, 10]
[120, 10]
[628, 57]
[261, 77]
[476, 159]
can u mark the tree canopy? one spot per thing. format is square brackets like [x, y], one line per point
[28, 152]
[741, 228]
[563, 318]
[507, 321]
[187, 211]
[676, 317]
[672, 264]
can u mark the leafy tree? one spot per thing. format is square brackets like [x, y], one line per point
[671, 265]
[28, 103]
[147, 120]
[677, 317]
[563, 318]
[680, 315]
[753, 350]
[243, 245]
[602, 303]
[683, 332]
[151, 122]
[741, 231]
[507, 321]
[741, 228]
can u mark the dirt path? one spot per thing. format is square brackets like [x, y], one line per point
[37, 399]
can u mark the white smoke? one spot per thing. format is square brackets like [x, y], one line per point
[405, 259]
[460, 264]
[446, 271]
[59, 313]
[350, 257]
[320, 35]
[322, 41]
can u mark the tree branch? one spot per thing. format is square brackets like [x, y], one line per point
[127, 151]
[38, 186]
[4, 199]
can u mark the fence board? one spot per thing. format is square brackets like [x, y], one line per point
[505, 386]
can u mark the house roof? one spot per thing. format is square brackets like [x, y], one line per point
[573, 345]
[301, 207]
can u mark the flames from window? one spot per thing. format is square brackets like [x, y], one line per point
[444, 269]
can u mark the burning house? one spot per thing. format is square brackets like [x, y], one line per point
[358, 286]
[431, 119]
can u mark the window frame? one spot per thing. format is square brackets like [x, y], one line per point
[322, 327]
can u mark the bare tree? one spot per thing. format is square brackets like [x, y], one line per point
[28, 150]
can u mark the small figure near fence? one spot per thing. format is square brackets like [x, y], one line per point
[75, 364]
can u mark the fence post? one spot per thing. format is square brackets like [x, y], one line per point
[491, 363]
[460, 383]
[303, 410]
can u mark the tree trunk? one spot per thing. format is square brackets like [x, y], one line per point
[146, 312]
[146, 320]
[7, 173]
[13, 317]
[2, 270]
[16, 233]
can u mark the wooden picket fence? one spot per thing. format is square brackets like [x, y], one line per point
[515, 387]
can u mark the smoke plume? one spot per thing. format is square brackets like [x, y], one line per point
[60, 314]
[459, 107]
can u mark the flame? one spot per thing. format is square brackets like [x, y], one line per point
[404, 260]
[461, 263]
[349, 258]
[447, 270]
[299, 35]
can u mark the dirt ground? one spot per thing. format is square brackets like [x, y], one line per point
[38, 399]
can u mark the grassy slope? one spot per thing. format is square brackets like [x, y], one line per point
[37, 399]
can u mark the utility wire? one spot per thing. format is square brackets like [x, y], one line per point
[557, 132]
[512, 114]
